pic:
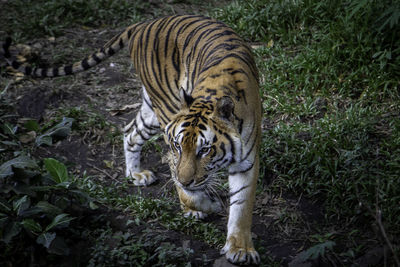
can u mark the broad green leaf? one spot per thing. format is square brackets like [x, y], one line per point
[44, 140]
[61, 130]
[32, 125]
[31, 225]
[42, 188]
[10, 230]
[20, 162]
[30, 212]
[48, 208]
[23, 189]
[60, 221]
[4, 205]
[46, 239]
[316, 251]
[21, 204]
[57, 170]
[81, 194]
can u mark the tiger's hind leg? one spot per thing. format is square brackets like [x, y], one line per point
[136, 133]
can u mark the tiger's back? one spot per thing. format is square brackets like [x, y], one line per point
[200, 55]
[200, 85]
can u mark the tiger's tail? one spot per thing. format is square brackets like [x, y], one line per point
[109, 49]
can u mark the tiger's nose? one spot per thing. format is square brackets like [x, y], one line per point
[186, 182]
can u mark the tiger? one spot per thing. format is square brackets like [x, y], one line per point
[200, 86]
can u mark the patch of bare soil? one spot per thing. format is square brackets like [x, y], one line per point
[281, 223]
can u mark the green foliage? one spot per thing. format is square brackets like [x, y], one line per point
[261, 20]
[91, 124]
[21, 162]
[316, 251]
[330, 86]
[349, 158]
[34, 201]
[355, 42]
[39, 17]
[40, 135]
[160, 210]
[60, 130]
[152, 143]
[149, 249]
[36, 196]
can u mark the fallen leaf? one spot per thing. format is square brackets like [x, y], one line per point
[28, 137]
[109, 164]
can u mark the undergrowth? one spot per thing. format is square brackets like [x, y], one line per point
[28, 19]
[160, 210]
[331, 97]
[46, 213]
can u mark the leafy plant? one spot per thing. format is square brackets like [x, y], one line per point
[329, 81]
[150, 248]
[60, 130]
[36, 202]
[321, 35]
[316, 251]
[159, 210]
[91, 124]
[37, 197]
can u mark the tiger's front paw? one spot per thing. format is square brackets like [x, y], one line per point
[142, 178]
[194, 213]
[240, 252]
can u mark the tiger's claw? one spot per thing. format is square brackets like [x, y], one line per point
[194, 213]
[240, 255]
[142, 178]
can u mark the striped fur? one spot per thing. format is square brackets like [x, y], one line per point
[200, 85]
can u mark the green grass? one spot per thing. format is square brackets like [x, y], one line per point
[330, 90]
[148, 249]
[45, 208]
[25, 20]
[330, 87]
[161, 210]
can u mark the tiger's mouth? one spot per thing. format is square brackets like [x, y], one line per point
[193, 185]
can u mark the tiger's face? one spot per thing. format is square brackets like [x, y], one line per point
[202, 142]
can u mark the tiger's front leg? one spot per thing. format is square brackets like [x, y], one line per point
[136, 133]
[239, 246]
[197, 204]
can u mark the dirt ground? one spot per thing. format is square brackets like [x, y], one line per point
[107, 90]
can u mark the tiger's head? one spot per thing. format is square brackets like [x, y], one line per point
[203, 140]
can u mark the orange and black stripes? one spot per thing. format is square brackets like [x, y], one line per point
[203, 57]
[200, 85]
[113, 46]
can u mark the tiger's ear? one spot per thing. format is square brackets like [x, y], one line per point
[186, 99]
[225, 107]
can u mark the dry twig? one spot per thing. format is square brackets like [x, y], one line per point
[103, 171]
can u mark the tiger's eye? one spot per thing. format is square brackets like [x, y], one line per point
[177, 146]
[204, 151]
